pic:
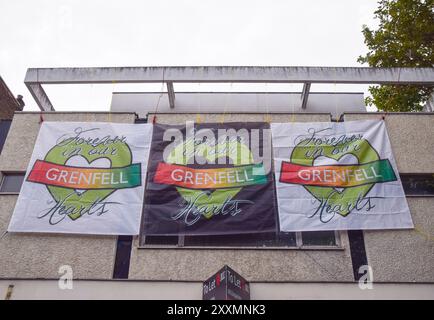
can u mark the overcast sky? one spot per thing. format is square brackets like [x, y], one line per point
[78, 33]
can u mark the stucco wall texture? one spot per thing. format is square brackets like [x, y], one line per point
[404, 255]
[411, 136]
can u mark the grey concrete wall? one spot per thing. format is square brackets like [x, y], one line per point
[406, 255]
[41, 255]
[411, 136]
[255, 265]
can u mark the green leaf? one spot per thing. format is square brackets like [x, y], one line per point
[404, 38]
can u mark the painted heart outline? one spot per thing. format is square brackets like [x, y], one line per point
[214, 200]
[61, 153]
[360, 149]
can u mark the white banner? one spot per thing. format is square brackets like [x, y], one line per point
[337, 176]
[85, 178]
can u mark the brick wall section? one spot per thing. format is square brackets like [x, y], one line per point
[8, 103]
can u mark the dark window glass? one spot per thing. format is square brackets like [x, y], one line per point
[12, 182]
[161, 240]
[243, 240]
[318, 238]
[282, 239]
[418, 184]
[230, 240]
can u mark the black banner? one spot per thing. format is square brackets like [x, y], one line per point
[210, 178]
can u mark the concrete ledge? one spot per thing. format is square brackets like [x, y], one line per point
[165, 290]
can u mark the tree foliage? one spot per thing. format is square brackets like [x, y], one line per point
[404, 38]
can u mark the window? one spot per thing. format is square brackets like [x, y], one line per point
[418, 184]
[249, 240]
[243, 240]
[318, 238]
[11, 182]
[161, 240]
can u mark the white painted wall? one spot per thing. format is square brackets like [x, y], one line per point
[116, 289]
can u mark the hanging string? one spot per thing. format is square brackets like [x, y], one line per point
[388, 100]
[292, 103]
[113, 90]
[92, 98]
[154, 120]
[267, 117]
[222, 120]
[336, 102]
[335, 97]
[198, 120]
[258, 102]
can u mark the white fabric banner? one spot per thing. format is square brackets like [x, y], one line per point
[337, 176]
[85, 178]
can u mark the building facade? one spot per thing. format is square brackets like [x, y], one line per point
[324, 265]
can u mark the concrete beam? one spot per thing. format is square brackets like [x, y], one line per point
[35, 77]
[40, 96]
[355, 75]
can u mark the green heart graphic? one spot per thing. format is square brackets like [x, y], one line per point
[306, 153]
[213, 201]
[119, 155]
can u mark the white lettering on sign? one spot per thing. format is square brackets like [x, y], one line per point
[207, 287]
[342, 175]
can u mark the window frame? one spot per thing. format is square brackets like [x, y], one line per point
[421, 174]
[299, 245]
[3, 175]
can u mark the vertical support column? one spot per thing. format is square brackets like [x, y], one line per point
[171, 93]
[40, 96]
[305, 94]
